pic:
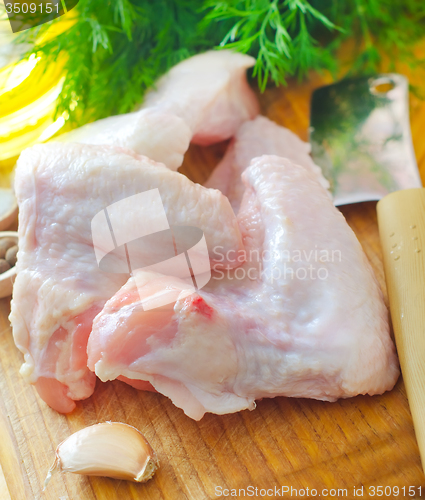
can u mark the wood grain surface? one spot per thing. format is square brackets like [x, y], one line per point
[360, 442]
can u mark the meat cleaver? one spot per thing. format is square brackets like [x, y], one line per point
[360, 137]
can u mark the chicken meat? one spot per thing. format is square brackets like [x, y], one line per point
[203, 99]
[162, 137]
[255, 138]
[303, 315]
[60, 285]
[210, 92]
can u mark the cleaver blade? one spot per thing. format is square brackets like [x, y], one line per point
[360, 137]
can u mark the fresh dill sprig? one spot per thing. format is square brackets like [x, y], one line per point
[277, 33]
[116, 49]
[292, 37]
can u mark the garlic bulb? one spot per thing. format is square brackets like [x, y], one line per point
[111, 449]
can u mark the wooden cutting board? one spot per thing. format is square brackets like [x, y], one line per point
[294, 443]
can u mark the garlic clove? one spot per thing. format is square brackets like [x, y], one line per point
[110, 449]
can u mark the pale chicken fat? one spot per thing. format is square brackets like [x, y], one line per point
[59, 286]
[268, 328]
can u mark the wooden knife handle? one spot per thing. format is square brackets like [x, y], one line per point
[401, 218]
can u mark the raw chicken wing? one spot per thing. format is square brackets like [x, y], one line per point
[204, 99]
[210, 92]
[162, 137]
[303, 316]
[257, 138]
[60, 287]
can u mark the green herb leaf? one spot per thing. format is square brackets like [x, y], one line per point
[118, 48]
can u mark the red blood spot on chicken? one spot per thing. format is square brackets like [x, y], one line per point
[199, 305]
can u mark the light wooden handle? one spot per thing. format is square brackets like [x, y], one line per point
[401, 218]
